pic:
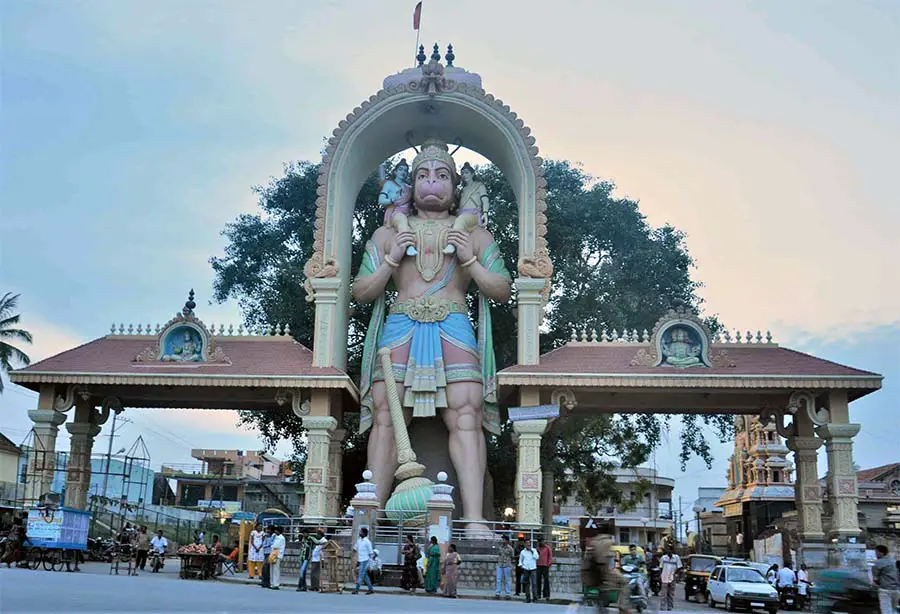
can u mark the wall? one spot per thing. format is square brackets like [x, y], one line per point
[9, 463]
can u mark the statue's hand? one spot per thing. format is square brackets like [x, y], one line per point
[463, 243]
[401, 241]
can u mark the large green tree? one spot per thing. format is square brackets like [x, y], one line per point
[11, 333]
[612, 270]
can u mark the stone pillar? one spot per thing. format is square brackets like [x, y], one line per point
[330, 347]
[842, 494]
[547, 484]
[315, 482]
[78, 469]
[440, 513]
[530, 315]
[528, 470]
[807, 493]
[335, 473]
[365, 506]
[42, 463]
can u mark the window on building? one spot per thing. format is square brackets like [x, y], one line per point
[624, 536]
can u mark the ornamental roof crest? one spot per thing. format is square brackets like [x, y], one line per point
[184, 338]
[681, 340]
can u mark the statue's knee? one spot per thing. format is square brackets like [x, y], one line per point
[467, 419]
[382, 417]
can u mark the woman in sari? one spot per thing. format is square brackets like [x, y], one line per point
[433, 573]
[451, 566]
[410, 579]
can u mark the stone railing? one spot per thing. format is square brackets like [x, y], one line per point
[277, 330]
[590, 335]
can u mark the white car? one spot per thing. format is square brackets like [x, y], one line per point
[739, 586]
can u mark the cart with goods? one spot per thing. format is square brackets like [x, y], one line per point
[197, 562]
[57, 537]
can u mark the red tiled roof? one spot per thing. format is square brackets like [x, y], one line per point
[748, 360]
[249, 356]
[871, 475]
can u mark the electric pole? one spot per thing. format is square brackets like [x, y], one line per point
[112, 437]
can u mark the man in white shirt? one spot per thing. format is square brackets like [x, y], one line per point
[364, 550]
[802, 586]
[278, 546]
[315, 560]
[528, 562]
[669, 563]
[159, 543]
[786, 577]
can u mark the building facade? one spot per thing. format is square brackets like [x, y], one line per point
[645, 523]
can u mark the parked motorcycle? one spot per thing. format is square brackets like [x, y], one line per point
[656, 580]
[637, 589]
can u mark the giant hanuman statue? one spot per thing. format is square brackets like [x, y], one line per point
[438, 363]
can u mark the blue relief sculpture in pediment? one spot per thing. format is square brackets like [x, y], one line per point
[182, 344]
[681, 346]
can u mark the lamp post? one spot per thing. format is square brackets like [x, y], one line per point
[697, 510]
[644, 522]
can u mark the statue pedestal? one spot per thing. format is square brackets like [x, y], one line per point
[440, 513]
[365, 507]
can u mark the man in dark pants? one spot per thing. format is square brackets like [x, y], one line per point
[545, 560]
[142, 547]
[267, 550]
[520, 545]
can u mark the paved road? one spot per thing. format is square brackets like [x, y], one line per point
[93, 590]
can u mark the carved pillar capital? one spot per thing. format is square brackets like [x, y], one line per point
[837, 432]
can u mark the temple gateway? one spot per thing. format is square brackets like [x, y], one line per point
[428, 360]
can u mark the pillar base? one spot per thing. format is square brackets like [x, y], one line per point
[813, 554]
[851, 556]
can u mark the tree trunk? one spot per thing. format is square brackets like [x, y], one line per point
[547, 488]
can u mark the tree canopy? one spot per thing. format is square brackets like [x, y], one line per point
[611, 270]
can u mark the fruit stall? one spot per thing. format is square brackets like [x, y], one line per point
[197, 562]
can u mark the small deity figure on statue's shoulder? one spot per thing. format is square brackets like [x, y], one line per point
[474, 204]
[396, 198]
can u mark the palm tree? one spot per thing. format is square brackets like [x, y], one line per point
[8, 320]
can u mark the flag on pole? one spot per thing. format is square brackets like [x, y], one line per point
[417, 15]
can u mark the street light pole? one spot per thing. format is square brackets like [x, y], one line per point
[112, 437]
[699, 546]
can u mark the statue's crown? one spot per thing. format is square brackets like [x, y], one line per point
[434, 150]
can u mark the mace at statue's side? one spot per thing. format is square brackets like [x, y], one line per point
[438, 364]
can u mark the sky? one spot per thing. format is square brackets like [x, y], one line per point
[768, 131]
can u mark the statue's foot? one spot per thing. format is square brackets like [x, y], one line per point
[479, 530]
[450, 249]
[411, 251]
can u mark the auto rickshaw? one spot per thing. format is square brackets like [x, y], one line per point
[697, 571]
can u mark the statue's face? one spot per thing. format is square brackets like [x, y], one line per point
[433, 186]
[467, 176]
[401, 172]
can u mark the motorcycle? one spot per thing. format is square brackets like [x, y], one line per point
[637, 589]
[655, 580]
[787, 597]
[157, 560]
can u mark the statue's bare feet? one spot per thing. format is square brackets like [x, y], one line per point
[479, 530]
[450, 249]
[411, 251]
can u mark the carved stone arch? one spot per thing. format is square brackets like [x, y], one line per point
[457, 108]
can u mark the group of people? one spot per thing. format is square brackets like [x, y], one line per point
[427, 568]
[265, 552]
[531, 566]
[787, 578]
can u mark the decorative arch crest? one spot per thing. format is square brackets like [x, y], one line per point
[430, 100]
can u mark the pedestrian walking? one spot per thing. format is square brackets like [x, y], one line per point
[315, 560]
[433, 566]
[142, 548]
[278, 547]
[364, 551]
[670, 564]
[802, 586]
[411, 554]
[544, 562]
[268, 538]
[505, 555]
[452, 561]
[885, 577]
[528, 562]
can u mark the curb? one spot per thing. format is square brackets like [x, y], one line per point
[389, 590]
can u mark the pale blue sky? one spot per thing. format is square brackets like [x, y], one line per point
[769, 131]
